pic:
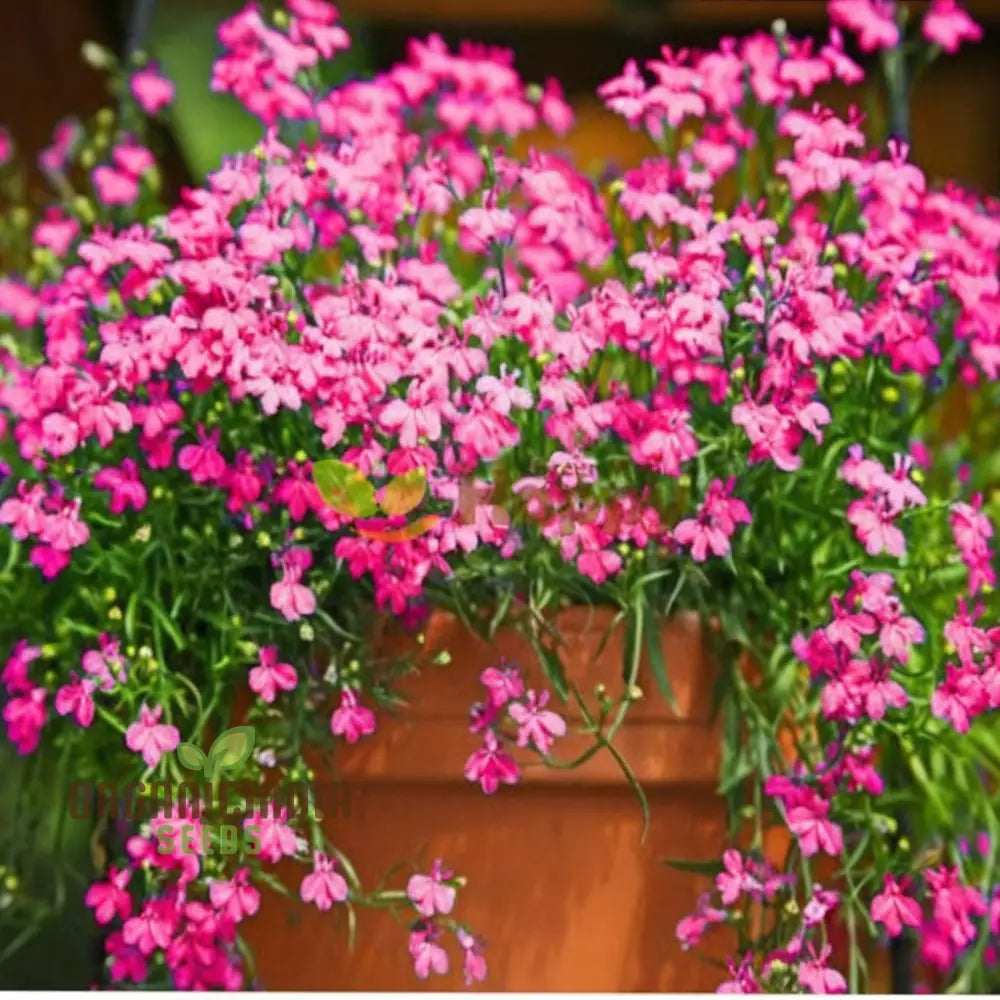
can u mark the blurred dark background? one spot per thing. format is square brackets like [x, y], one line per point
[581, 42]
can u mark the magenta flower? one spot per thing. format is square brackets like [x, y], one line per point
[948, 25]
[152, 91]
[150, 737]
[269, 676]
[153, 927]
[76, 699]
[111, 899]
[816, 977]
[491, 766]
[324, 885]
[429, 893]
[203, 460]
[352, 720]
[277, 838]
[25, 717]
[125, 486]
[473, 961]
[894, 908]
[503, 683]
[236, 898]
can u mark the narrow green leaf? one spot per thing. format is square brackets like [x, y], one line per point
[711, 868]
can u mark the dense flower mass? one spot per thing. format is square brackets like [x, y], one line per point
[700, 399]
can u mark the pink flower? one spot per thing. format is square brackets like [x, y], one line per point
[150, 737]
[324, 885]
[25, 717]
[474, 964]
[152, 91]
[77, 699]
[872, 20]
[814, 831]
[236, 898]
[127, 962]
[277, 838]
[14, 675]
[203, 460]
[735, 880]
[503, 684]
[125, 485]
[895, 909]
[948, 25]
[429, 893]
[111, 899]
[289, 596]
[536, 725]
[153, 927]
[352, 720]
[428, 956]
[817, 978]
[269, 676]
[115, 187]
[490, 766]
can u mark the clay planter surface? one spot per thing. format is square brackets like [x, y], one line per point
[559, 882]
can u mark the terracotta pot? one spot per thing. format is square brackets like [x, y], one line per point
[559, 882]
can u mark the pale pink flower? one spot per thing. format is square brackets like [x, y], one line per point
[270, 676]
[324, 885]
[429, 893]
[536, 725]
[150, 737]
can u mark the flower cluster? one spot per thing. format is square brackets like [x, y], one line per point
[706, 401]
[537, 726]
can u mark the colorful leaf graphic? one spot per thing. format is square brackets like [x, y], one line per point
[230, 749]
[393, 536]
[192, 757]
[344, 488]
[404, 492]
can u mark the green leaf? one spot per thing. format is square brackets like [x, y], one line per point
[344, 488]
[655, 650]
[192, 757]
[636, 787]
[552, 666]
[230, 749]
[697, 867]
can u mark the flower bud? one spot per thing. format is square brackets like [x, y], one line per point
[109, 594]
[443, 658]
[115, 614]
[306, 633]
[635, 693]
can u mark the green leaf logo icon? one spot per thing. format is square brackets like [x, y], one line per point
[344, 488]
[230, 749]
[191, 756]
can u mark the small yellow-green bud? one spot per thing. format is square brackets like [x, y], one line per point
[109, 594]
[890, 394]
[635, 693]
[301, 457]
[684, 481]
[263, 539]
[236, 621]
[115, 613]
[143, 534]
[10, 883]
[306, 633]
[49, 650]
[130, 651]
[49, 677]
[443, 658]
[791, 908]
[600, 690]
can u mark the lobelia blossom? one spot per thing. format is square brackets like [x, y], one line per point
[429, 893]
[270, 676]
[473, 960]
[428, 956]
[537, 725]
[25, 716]
[111, 899]
[289, 596]
[351, 719]
[946, 24]
[324, 885]
[491, 766]
[235, 898]
[277, 838]
[893, 908]
[76, 699]
[150, 737]
[152, 91]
